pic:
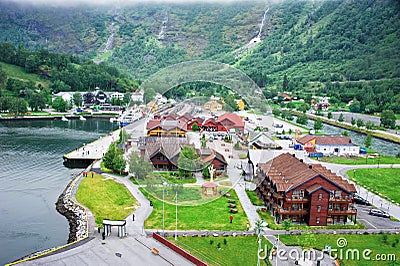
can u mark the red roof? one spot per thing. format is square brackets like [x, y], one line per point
[288, 172]
[209, 185]
[234, 118]
[152, 124]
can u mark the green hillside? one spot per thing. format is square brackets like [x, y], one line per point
[347, 50]
[17, 72]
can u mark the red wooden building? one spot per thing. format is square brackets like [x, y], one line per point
[304, 193]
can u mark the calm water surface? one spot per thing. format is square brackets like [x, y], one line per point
[32, 176]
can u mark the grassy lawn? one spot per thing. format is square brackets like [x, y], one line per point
[360, 160]
[106, 198]
[213, 215]
[255, 200]
[173, 177]
[379, 180]
[376, 243]
[17, 72]
[266, 216]
[240, 250]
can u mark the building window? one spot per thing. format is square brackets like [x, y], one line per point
[341, 219]
[338, 193]
[330, 206]
[317, 221]
[318, 208]
[320, 196]
[294, 218]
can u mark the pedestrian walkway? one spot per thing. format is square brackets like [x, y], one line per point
[134, 249]
[239, 186]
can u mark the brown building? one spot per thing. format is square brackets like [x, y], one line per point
[304, 193]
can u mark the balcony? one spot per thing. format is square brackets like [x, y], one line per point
[342, 211]
[291, 211]
[276, 195]
[297, 200]
[340, 200]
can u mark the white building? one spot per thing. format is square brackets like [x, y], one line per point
[137, 96]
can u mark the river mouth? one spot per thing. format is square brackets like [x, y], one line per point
[33, 177]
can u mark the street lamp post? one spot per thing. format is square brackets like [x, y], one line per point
[176, 214]
[163, 185]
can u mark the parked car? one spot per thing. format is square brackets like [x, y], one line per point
[360, 200]
[376, 212]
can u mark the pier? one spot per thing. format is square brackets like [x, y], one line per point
[88, 153]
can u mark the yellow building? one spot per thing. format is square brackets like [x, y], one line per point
[152, 106]
[213, 106]
[240, 104]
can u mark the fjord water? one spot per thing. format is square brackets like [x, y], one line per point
[32, 176]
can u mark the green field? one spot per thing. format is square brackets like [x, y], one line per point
[379, 180]
[17, 72]
[105, 198]
[240, 250]
[360, 160]
[376, 243]
[213, 215]
[255, 200]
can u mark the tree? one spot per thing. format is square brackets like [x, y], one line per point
[341, 118]
[37, 101]
[318, 124]
[369, 125]
[360, 122]
[139, 166]
[368, 141]
[285, 83]
[195, 127]
[345, 133]
[302, 119]
[188, 161]
[287, 224]
[17, 106]
[355, 106]
[109, 156]
[276, 112]
[330, 115]
[119, 163]
[59, 104]
[77, 98]
[149, 94]
[353, 121]
[388, 119]
[123, 136]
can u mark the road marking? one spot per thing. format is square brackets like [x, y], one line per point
[368, 222]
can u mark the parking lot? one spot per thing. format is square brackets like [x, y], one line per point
[374, 222]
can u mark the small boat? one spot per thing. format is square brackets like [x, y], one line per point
[64, 118]
[82, 118]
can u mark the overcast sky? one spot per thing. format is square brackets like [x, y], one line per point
[70, 2]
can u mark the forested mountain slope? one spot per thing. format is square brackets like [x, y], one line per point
[343, 48]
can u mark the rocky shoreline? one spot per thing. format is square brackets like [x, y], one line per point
[75, 213]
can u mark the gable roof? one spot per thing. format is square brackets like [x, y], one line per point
[326, 140]
[287, 173]
[234, 118]
[208, 156]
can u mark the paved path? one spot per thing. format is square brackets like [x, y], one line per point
[239, 186]
[135, 249]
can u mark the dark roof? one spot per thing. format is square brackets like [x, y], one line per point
[288, 172]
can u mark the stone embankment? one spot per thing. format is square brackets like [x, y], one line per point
[76, 214]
